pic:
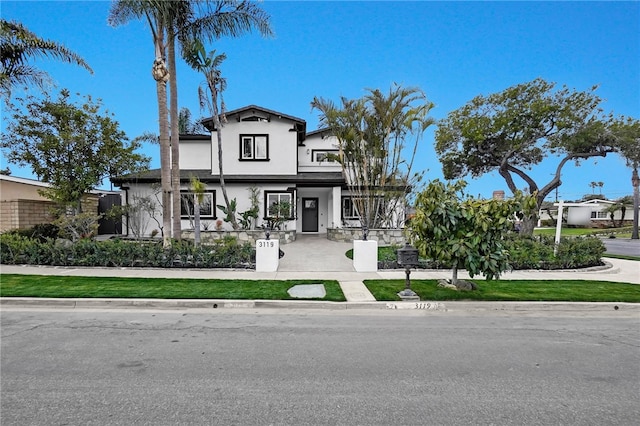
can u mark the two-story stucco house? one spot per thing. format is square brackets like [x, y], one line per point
[265, 150]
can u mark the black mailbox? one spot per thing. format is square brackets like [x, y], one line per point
[407, 256]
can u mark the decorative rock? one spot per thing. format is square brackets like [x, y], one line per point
[307, 291]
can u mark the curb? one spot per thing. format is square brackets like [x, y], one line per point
[214, 304]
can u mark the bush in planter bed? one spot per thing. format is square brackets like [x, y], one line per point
[17, 249]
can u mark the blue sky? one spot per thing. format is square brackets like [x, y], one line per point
[451, 50]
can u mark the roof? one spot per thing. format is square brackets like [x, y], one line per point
[590, 203]
[37, 183]
[208, 122]
[205, 176]
[25, 181]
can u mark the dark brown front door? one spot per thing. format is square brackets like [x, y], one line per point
[309, 215]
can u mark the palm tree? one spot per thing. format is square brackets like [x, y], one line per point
[17, 46]
[209, 64]
[624, 202]
[202, 20]
[184, 20]
[154, 12]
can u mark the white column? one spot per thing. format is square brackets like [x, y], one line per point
[267, 255]
[365, 255]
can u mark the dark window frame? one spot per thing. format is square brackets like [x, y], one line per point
[252, 136]
[323, 151]
[184, 213]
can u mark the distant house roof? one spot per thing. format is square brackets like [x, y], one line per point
[301, 179]
[590, 203]
[25, 181]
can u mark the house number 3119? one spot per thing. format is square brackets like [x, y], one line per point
[266, 244]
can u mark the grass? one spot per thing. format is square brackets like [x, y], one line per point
[621, 256]
[14, 285]
[572, 232]
[513, 290]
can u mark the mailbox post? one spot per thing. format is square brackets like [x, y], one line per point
[408, 257]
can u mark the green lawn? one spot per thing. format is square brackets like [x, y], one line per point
[164, 288]
[513, 290]
[623, 232]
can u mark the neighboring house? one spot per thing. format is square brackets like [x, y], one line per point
[264, 149]
[593, 213]
[22, 206]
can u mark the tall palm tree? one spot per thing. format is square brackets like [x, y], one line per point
[17, 46]
[184, 20]
[209, 65]
[154, 12]
[202, 20]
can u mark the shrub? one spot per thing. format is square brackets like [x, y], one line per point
[19, 249]
[538, 252]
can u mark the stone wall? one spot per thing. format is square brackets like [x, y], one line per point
[382, 236]
[251, 236]
[20, 214]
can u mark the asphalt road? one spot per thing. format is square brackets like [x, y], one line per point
[622, 246]
[252, 367]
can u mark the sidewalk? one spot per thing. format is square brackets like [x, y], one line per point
[313, 257]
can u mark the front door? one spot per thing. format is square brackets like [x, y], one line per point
[309, 215]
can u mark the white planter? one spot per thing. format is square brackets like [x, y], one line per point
[267, 255]
[365, 255]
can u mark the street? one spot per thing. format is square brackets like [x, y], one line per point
[306, 367]
[622, 246]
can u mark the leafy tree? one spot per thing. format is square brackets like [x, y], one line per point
[209, 65]
[374, 134]
[463, 232]
[628, 135]
[72, 147]
[514, 130]
[18, 46]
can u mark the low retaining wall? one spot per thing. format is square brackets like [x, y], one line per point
[382, 236]
[250, 236]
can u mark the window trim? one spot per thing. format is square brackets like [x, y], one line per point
[214, 210]
[325, 151]
[266, 203]
[253, 137]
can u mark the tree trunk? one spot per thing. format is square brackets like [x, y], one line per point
[636, 203]
[175, 141]
[217, 123]
[161, 76]
[454, 275]
[196, 222]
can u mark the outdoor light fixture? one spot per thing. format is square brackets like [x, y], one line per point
[408, 257]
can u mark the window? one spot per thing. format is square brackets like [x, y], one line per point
[278, 204]
[349, 210]
[599, 215]
[207, 206]
[254, 147]
[327, 156]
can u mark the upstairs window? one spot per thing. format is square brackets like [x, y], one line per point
[326, 155]
[254, 147]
